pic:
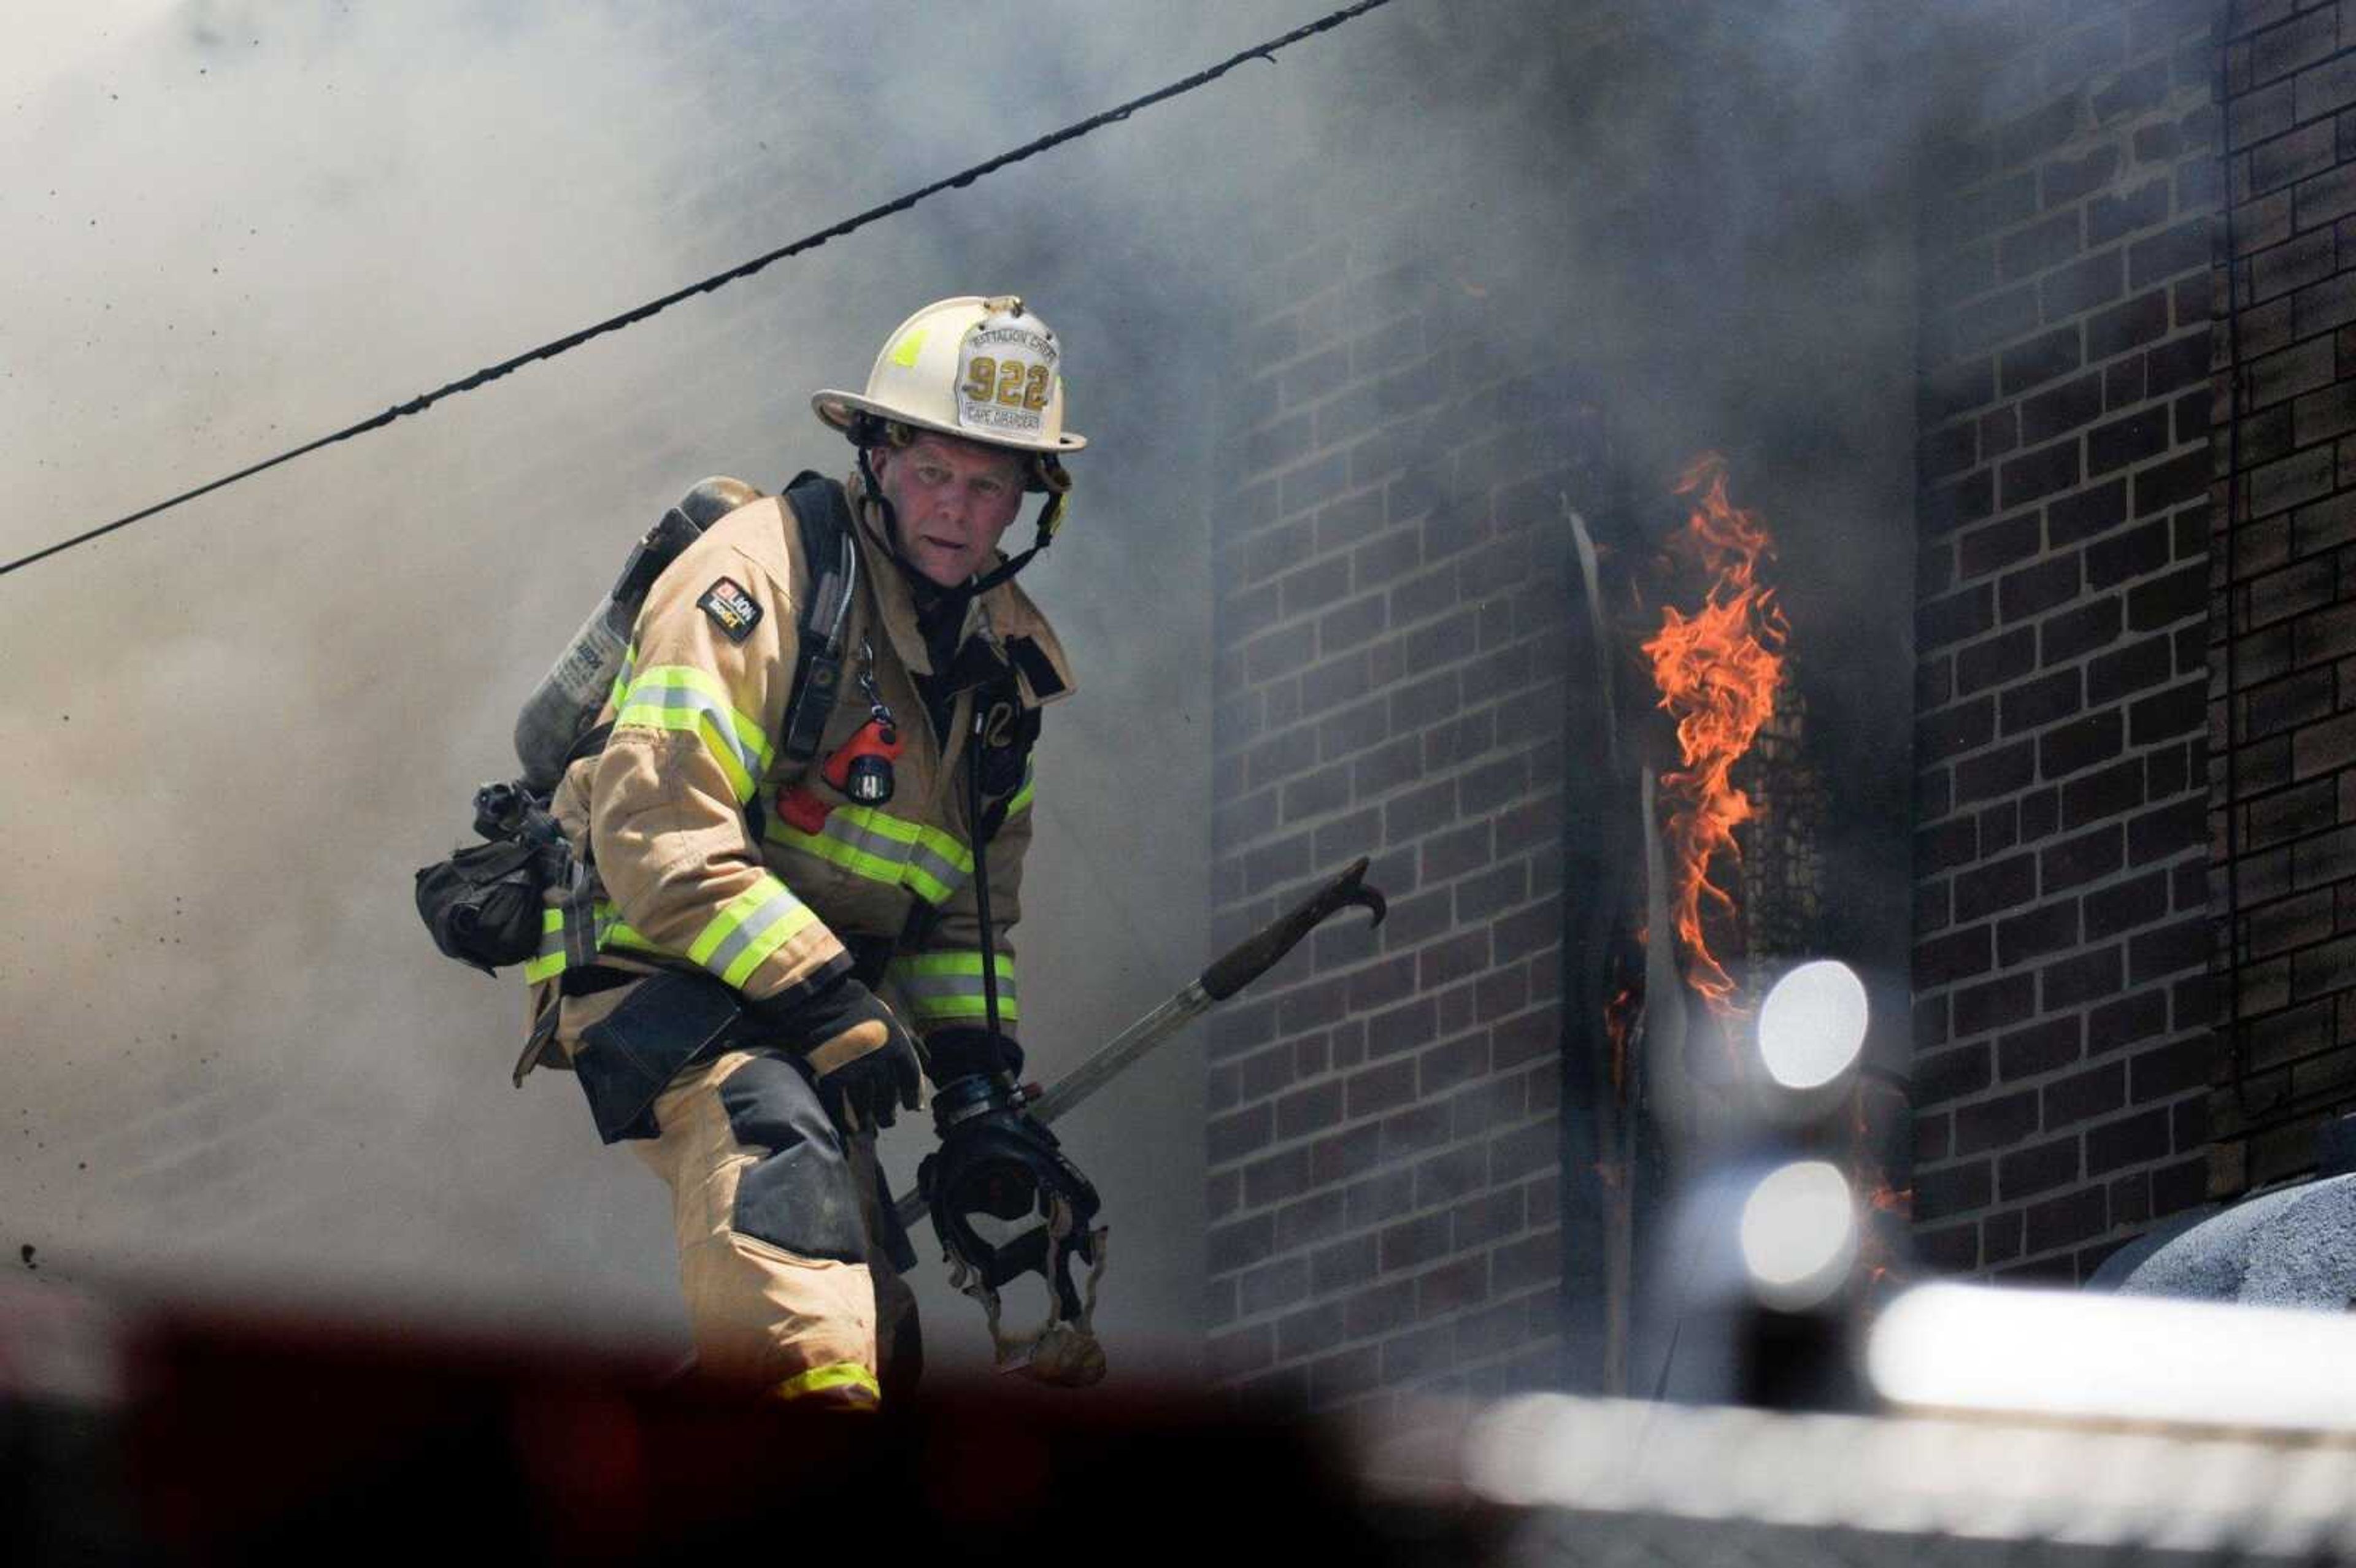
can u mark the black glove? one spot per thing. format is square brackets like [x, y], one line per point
[861, 1056]
[963, 1052]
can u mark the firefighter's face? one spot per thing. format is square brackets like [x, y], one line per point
[953, 498]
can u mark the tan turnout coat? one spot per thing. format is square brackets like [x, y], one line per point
[696, 866]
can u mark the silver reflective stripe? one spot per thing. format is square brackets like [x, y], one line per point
[938, 867]
[923, 989]
[723, 719]
[845, 829]
[779, 905]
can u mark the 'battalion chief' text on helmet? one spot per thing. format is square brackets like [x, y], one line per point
[983, 369]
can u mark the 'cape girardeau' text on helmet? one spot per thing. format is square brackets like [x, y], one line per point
[984, 368]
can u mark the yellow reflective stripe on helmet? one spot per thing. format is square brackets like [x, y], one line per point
[834, 1375]
[910, 347]
[748, 928]
[884, 848]
[946, 987]
[680, 696]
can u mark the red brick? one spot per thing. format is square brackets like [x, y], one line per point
[1246, 1350]
[2041, 1048]
[1232, 1138]
[1381, 1309]
[1452, 1287]
[2074, 981]
[2064, 1221]
[2080, 743]
[2131, 1140]
[1272, 1287]
[1371, 1091]
[2038, 1168]
[2082, 1095]
[2038, 474]
[1956, 1190]
[1240, 1244]
[1994, 1003]
[1995, 1124]
[1535, 1260]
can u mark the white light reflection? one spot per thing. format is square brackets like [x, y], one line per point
[1799, 1234]
[1976, 1347]
[1812, 1025]
[1938, 1479]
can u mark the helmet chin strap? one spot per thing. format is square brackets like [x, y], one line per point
[882, 502]
[1005, 570]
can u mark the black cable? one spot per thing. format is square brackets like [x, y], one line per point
[1266, 51]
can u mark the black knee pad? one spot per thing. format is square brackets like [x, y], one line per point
[801, 1196]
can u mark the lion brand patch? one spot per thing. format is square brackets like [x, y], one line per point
[730, 609]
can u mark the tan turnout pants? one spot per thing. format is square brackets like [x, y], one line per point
[779, 1217]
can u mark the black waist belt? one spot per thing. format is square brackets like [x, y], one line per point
[868, 957]
[588, 979]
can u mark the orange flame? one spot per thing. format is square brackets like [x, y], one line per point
[1718, 671]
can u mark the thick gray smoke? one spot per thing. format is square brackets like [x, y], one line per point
[233, 1060]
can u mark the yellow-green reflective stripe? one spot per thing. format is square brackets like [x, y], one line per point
[680, 697]
[834, 1375]
[748, 928]
[858, 825]
[936, 865]
[1022, 797]
[941, 987]
[549, 962]
[609, 930]
[873, 867]
[885, 848]
[959, 962]
[622, 677]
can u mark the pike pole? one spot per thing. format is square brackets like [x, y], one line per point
[1243, 964]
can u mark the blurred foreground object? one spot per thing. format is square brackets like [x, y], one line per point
[178, 1436]
[1609, 1481]
[2114, 1358]
[242, 1437]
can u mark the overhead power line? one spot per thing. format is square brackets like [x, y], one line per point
[550, 350]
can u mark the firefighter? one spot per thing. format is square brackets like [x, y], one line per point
[766, 953]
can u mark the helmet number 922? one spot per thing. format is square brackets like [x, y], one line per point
[1008, 382]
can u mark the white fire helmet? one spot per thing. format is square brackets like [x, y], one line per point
[984, 368]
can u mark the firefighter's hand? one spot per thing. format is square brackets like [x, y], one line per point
[961, 1052]
[862, 1057]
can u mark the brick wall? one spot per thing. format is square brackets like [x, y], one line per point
[2062, 1041]
[1384, 1167]
[2284, 804]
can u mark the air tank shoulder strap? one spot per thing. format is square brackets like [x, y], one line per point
[822, 513]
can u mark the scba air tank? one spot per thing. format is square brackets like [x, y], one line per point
[566, 703]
